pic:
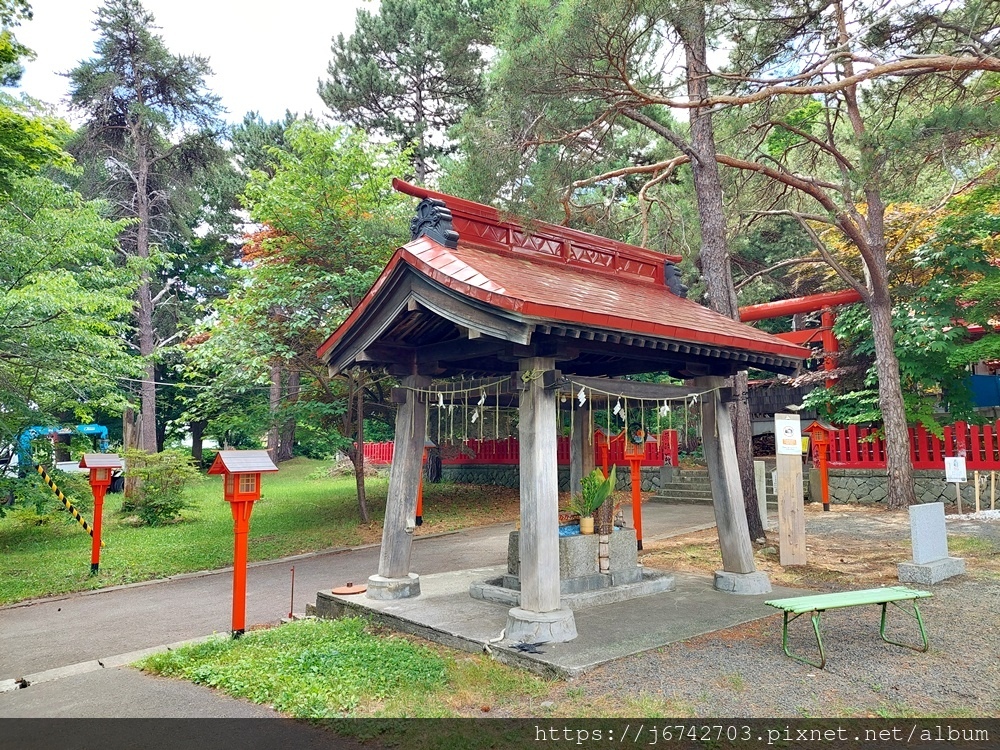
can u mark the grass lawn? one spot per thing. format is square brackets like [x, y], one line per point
[321, 669]
[299, 511]
[352, 669]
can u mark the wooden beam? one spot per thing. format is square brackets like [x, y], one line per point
[458, 350]
[627, 388]
[410, 293]
[469, 313]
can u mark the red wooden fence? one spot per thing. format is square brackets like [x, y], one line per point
[862, 448]
[664, 452]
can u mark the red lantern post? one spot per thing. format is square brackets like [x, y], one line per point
[428, 444]
[241, 472]
[635, 438]
[820, 431]
[101, 466]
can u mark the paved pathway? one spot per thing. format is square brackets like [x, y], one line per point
[73, 648]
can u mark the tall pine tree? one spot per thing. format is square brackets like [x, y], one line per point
[408, 73]
[150, 126]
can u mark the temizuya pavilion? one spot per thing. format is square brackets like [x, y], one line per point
[473, 293]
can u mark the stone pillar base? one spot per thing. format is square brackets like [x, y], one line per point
[380, 587]
[524, 626]
[742, 583]
[931, 572]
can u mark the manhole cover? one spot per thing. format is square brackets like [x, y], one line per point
[351, 588]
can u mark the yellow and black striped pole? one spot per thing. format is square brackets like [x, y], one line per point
[65, 501]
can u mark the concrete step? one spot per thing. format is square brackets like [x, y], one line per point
[705, 488]
[692, 486]
[681, 499]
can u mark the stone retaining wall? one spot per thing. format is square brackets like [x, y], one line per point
[869, 486]
[510, 476]
[846, 485]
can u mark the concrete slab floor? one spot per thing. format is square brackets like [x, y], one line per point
[445, 613]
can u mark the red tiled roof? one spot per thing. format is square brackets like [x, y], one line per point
[484, 226]
[560, 290]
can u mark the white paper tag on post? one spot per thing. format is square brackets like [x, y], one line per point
[787, 435]
[954, 469]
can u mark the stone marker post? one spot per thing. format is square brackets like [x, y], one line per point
[929, 539]
[760, 480]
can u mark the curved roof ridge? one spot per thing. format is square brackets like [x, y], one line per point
[483, 225]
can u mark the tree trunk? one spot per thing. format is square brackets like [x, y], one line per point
[358, 457]
[739, 412]
[899, 470]
[144, 306]
[715, 261]
[147, 389]
[274, 404]
[198, 441]
[130, 441]
[286, 439]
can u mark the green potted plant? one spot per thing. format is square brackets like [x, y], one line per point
[595, 489]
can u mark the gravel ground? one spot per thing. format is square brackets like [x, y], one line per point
[742, 672]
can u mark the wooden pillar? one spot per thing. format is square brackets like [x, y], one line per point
[539, 538]
[539, 618]
[577, 447]
[581, 447]
[739, 574]
[791, 513]
[394, 580]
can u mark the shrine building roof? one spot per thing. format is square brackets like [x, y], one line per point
[241, 462]
[474, 291]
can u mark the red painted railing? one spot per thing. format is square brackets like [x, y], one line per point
[378, 453]
[862, 448]
[664, 452]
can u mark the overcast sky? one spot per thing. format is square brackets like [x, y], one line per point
[267, 55]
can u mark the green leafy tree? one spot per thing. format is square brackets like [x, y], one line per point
[928, 102]
[908, 135]
[972, 232]
[150, 130]
[329, 220]
[163, 479]
[12, 12]
[572, 74]
[409, 71]
[64, 305]
[29, 139]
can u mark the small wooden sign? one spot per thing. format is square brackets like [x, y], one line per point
[791, 511]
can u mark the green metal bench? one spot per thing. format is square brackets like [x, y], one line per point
[795, 607]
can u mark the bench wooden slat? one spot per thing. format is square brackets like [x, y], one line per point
[821, 602]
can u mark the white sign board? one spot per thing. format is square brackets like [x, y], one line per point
[954, 469]
[787, 435]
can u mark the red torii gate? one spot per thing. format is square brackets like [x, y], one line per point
[809, 303]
